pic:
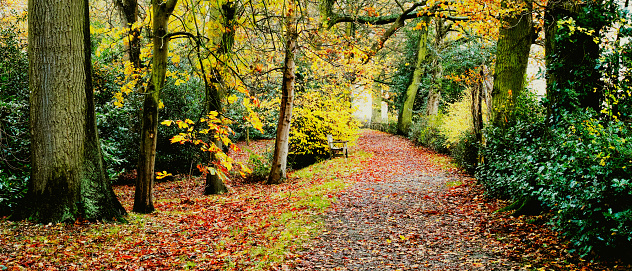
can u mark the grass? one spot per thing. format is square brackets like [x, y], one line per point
[301, 220]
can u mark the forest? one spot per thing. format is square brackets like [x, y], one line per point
[187, 134]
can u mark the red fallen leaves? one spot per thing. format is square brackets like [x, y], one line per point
[210, 233]
[189, 230]
[403, 190]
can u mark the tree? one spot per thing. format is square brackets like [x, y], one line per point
[281, 146]
[68, 179]
[129, 12]
[214, 94]
[406, 112]
[516, 34]
[572, 32]
[143, 198]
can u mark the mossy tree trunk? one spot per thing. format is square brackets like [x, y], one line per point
[512, 57]
[405, 118]
[376, 104]
[279, 161]
[143, 197]
[68, 179]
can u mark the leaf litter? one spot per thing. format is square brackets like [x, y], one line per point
[396, 207]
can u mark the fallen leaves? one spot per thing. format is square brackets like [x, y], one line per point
[407, 210]
[410, 209]
[256, 226]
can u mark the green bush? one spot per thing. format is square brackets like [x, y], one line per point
[580, 170]
[465, 152]
[426, 131]
[260, 164]
[14, 119]
[119, 128]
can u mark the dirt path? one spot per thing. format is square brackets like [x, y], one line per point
[406, 213]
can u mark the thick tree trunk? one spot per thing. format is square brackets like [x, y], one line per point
[68, 180]
[406, 112]
[279, 161]
[512, 56]
[129, 12]
[143, 197]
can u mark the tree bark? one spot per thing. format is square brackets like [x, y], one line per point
[279, 162]
[376, 104]
[512, 57]
[478, 92]
[434, 93]
[129, 11]
[143, 197]
[68, 179]
[406, 112]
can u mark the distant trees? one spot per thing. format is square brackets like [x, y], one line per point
[68, 180]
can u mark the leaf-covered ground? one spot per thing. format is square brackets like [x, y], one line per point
[396, 206]
[410, 210]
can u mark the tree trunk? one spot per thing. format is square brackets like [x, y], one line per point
[68, 179]
[477, 106]
[143, 198]
[129, 12]
[434, 93]
[279, 162]
[214, 95]
[512, 56]
[406, 112]
[376, 105]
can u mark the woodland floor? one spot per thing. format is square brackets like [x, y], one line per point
[389, 206]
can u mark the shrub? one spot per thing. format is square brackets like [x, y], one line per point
[14, 119]
[426, 131]
[465, 151]
[317, 114]
[260, 164]
[119, 127]
[580, 170]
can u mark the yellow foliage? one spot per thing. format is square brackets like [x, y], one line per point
[458, 120]
[317, 114]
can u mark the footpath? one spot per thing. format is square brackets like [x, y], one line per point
[407, 212]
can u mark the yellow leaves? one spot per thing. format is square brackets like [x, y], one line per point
[175, 59]
[160, 175]
[232, 99]
[167, 122]
[179, 82]
[180, 138]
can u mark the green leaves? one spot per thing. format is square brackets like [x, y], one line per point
[579, 170]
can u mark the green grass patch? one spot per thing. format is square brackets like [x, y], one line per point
[302, 221]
